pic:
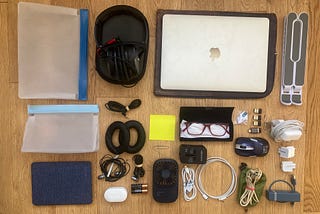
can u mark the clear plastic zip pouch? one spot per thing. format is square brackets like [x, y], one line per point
[61, 129]
[52, 52]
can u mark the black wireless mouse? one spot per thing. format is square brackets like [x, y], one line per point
[251, 146]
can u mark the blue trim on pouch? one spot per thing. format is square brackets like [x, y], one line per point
[83, 58]
[47, 109]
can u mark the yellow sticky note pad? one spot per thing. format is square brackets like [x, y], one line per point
[162, 127]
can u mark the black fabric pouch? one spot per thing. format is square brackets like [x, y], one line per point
[206, 124]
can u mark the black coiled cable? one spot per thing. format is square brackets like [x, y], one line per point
[118, 107]
[138, 171]
[113, 168]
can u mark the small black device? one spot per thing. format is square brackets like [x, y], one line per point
[284, 195]
[165, 180]
[193, 154]
[251, 146]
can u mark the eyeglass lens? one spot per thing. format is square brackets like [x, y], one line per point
[214, 129]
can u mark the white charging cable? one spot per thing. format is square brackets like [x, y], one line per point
[286, 130]
[188, 180]
[199, 184]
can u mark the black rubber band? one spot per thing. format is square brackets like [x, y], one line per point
[124, 137]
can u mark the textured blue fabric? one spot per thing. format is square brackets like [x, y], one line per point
[55, 183]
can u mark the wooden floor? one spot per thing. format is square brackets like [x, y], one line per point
[15, 173]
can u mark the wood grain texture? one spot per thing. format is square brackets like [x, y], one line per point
[15, 166]
[312, 169]
[6, 202]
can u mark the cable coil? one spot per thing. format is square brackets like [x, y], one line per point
[199, 184]
[249, 196]
[113, 168]
[286, 130]
[188, 180]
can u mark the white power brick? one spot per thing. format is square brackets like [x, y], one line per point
[287, 152]
[288, 166]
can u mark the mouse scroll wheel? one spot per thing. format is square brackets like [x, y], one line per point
[246, 147]
[243, 147]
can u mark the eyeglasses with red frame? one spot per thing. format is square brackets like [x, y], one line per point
[195, 129]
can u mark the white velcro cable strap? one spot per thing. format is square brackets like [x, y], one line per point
[199, 184]
[275, 195]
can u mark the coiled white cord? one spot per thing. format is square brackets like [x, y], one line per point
[188, 180]
[199, 184]
[249, 195]
[286, 130]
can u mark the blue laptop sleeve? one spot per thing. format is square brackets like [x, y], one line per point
[57, 183]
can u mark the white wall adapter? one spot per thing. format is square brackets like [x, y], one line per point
[286, 152]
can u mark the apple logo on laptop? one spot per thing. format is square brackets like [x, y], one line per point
[214, 53]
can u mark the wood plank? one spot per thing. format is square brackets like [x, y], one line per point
[312, 170]
[12, 41]
[6, 178]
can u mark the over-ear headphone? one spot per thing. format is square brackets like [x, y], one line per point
[122, 40]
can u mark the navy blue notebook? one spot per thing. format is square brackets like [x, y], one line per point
[57, 183]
